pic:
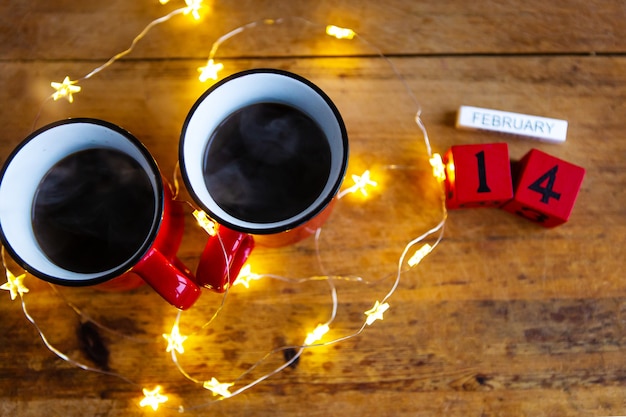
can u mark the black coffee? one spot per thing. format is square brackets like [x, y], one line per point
[93, 210]
[266, 162]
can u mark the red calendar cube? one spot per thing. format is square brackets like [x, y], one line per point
[545, 188]
[478, 175]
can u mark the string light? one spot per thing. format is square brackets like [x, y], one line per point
[246, 276]
[15, 284]
[218, 388]
[153, 398]
[340, 33]
[193, 7]
[363, 184]
[376, 312]
[175, 340]
[210, 70]
[439, 169]
[205, 222]
[419, 255]
[316, 334]
[363, 181]
[65, 89]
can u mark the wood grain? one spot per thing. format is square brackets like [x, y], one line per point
[504, 318]
[63, 29]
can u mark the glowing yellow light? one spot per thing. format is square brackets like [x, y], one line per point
[246, 276]
[15, 285]
[210, 70]
[205, 222]
[362, 182]
[316, 334]
[420, 254]
[152, 398]
[65, 89]
[164, 1]
[218, 388]
[439, 169]
[376, 313]
[340, 33]
[450, 171]
[193, 7]
[175, 340]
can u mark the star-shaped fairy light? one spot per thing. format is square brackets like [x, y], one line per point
[420, 254]
[65, 89]
[175, 340]
[316, 334]
[218, 388]
[439, 169]
[210, 70]
[361, 182]
[376, 313]
[246, 276]
[339, 32]
[153, 398]
[193, 7]
[205, 222]
[15, 285]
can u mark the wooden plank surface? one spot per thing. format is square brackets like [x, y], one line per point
[63, 29]
[503, 318]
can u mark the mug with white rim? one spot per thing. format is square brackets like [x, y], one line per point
[264, 151]
[83, 202]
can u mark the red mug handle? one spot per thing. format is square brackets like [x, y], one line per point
[222, 258]
[169, 278]
[160, 267]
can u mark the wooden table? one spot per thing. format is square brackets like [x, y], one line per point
[504, 317]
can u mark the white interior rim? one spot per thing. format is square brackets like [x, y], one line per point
[26, 169]
[245, 90]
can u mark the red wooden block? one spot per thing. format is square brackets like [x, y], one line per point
[545, 189]
[478, 175]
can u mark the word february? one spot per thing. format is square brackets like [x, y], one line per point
[553, 130]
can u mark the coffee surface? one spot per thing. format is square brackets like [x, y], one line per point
[93, 210]
[266, 162]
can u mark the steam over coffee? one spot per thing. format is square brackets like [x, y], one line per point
[93, 210]
[266, 162]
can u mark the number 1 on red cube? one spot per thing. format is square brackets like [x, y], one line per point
[478, 175]
[546, 189]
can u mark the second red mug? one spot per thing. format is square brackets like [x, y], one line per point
[82, 202]
[264, 152]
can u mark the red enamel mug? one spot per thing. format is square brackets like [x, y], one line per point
[264, 152]
[82, 202]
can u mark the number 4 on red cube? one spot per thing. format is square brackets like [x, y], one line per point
[545, 189]
[478, 175]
